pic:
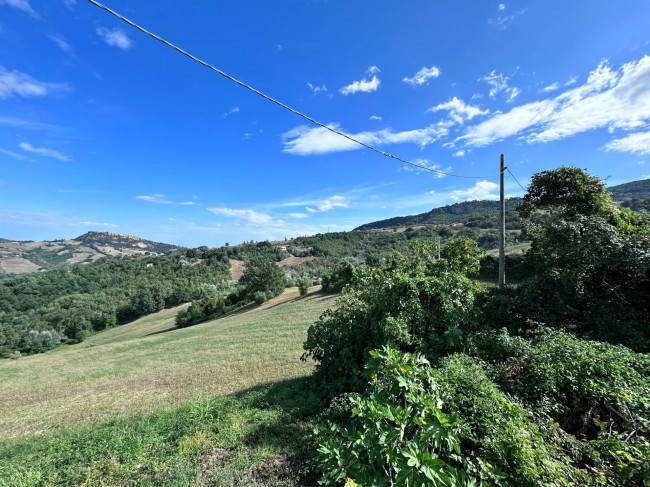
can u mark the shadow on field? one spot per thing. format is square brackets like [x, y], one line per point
[301, 403]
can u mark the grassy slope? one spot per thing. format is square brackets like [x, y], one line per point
[148, 364]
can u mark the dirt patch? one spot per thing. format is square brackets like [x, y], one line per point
[212, 461]
[18, 265]
[292, 261]
[237, 269]
[273, 467]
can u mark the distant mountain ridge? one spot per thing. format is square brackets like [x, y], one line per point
[19, 257]
[468, 211]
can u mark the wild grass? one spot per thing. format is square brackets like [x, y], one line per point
[149, 364]
[252, 438]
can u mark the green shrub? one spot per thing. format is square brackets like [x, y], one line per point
[415, 426]
[399, 435]
[597, 392]
[335, 280]
[260, 297]
[304, 283]
[417, 304]
[262, 275]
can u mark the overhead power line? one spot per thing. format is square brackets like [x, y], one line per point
[513, 177]
[257, 92]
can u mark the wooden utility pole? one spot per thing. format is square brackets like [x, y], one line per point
[438, 248]
[502, 230]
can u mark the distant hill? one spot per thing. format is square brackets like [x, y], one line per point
[461, 213]
[632, 190]
[472, 212]
[20, 257]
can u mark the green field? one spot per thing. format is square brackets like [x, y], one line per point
[149, 364]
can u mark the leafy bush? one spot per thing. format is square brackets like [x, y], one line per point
[335, 280]
[415, 425]
[597, 392]
[399, 435]
[260, 297]
[304, 283]
[418, 304]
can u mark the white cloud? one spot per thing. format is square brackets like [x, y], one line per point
[15, 83]
[304, 140]
[459, 111]
[482, 190]
[298, 215]
[15, 155]
[115, 37]
[62, 44]
[375, 117]
[502, 6]
[551, 87]
[422, 76]
[638, 143]
[317, 89]
[20, 4]
[249, 216]
[70, 3]
[364, 85]
[229, 112]
[460, 153]
[499, 84]
[43, 151]
[612, 99]
[159, 199]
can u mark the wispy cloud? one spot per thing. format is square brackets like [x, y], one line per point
[62, 44]
[115, 37]
[160, 199]
[298, 215]
[422, 76]
[501, 7]
[638, 143]
[249, 216]
[44, 151]
[459, 111]
[70, 3]
[551, 87]
[15, 155]
[27, 124]
[426, 163]
[498, 83]
[482, 190]
[15, 83]
[317, 89]
[364, 85]
[375, 117]
[328, 204]
[98, 224]
[229, 112]
[502, 22]
[305, 140]
[21, 5]
[612, 99]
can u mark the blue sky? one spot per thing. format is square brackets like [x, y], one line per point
[103, 128]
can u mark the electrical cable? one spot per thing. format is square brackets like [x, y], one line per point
[257, 92]
[513, 177]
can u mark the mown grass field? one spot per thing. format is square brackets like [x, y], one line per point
[149, 364]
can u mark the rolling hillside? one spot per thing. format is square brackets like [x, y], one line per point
[20, 257]
[474, 211]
